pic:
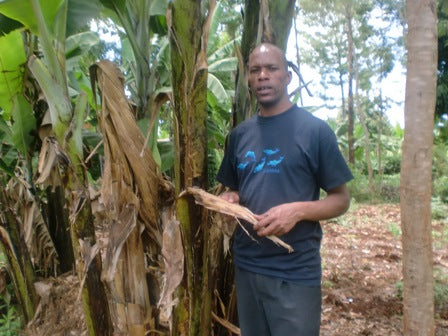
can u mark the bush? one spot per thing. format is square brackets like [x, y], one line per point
[392, 164]
[387, 190]
[390, 189]
[438, 208]
[440, 189]
[359, 187]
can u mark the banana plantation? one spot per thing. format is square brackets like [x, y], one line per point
[110, 109]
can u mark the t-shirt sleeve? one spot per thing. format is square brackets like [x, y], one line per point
[227, 174]
[333, 170]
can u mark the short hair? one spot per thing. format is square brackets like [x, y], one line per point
[282, 53]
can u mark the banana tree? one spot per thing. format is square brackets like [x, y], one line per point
[141, 20]
[48, 21]
[188, 37]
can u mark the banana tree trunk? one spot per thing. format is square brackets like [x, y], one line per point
[132, 184]
[18, 258]
[189, 77]
[59, 227]
[67, 126]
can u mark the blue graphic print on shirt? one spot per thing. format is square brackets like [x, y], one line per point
[266, 164]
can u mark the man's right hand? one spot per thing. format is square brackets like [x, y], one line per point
[231, 196]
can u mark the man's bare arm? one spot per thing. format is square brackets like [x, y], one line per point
[280, 219]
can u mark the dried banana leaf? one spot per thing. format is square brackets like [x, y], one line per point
[218, 204]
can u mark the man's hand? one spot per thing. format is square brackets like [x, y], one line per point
[278, 220]
[231, 196]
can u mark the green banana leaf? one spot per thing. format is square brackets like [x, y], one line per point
[79, 14]
[22, 11]
[23, 122]
[7, 25]
[12, 65]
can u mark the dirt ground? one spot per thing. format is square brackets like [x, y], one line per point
[362, 286]
[362, 282]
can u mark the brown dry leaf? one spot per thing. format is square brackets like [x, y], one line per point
[215, 203]
[88, 253]
[35, 231]
[173, 258]
[229, 326]
[6, 241]
[49, 157]
[120, 129]
[37, 237]
[130, 193]
[118, 234]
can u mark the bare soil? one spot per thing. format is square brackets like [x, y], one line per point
[362, 280]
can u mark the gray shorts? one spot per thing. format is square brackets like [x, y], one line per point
[270, 306]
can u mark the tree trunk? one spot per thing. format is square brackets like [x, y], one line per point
[18, 258]
[242, 101]
[96, 307]
[59, 227]
[188, 39]
[67, 125]
[350, 108]
[416, 168]
[362, 120]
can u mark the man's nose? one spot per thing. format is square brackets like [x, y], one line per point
[263, 73]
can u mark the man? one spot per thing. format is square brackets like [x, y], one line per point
[275, 164]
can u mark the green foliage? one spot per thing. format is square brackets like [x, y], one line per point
[22, 11]
[440, 289]
[438, 208]
[399, 289]
[440, 171]
[10, 324]
[9, 317]
[218, 127]
[12, 67]
[394, 229]
[359, 187]
[387, 188]
[24, 123]
[440, 188]
[166, 150]
[442, 73]
[392, 163]
[79, 14]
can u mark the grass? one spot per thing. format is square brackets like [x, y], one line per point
[395, 229]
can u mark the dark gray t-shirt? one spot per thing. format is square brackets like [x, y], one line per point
[273, 160]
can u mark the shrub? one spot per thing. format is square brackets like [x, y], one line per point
[440, 189]
[438, 208]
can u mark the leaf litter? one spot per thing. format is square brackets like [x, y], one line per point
[361, 254]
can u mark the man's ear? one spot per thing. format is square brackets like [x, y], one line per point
[289, 77]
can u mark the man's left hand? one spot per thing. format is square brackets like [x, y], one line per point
[278, 220]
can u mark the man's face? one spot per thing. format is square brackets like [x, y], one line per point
[268, 75]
